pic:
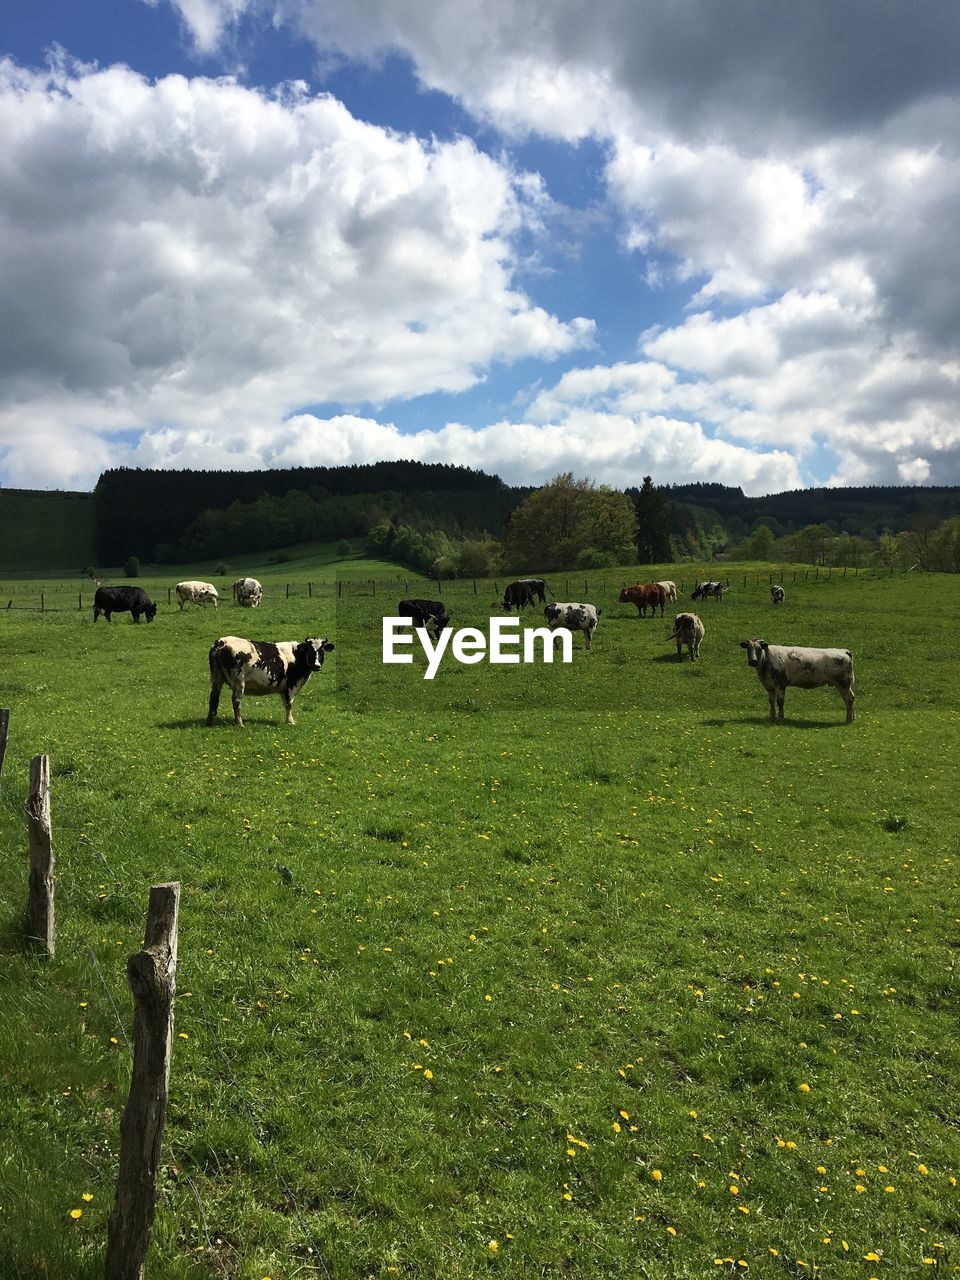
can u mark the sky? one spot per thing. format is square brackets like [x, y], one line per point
[702, 240]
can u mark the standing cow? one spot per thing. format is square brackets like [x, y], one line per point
[247, 592]
[197, 593]
[670, 590]
[518, 594]
[123, 600]
[258, 667]
[429, 614]
[573, 617]
[704, 589]
[777, 594]
[646, 595]
[537, 587]
[779, 666]
[687, 630]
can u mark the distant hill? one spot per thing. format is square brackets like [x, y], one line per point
[45, 531]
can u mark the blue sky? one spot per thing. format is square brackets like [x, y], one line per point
[694, 240]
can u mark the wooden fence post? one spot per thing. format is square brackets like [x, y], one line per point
[474, 586]
[43, 606]
[310, 590]
[339, 588]
[151, 974]
[4, 732]
[40, 904]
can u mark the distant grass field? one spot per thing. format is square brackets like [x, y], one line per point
[582, 971]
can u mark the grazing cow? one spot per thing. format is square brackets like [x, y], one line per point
[247, 592]
[123, 600]
[431, 614]
[258, 668]
[687, 630]
[517, 594]
[776, 594]
[197, 593]
[704, 589]
[537, 587]
[573, 617]
[645, 595]
[670, 590]
[781, 665]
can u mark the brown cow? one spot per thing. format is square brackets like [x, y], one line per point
[645, 595]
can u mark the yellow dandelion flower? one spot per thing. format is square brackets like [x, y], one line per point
[671, 1231]
[428, 1074]
[872, 1256]
[804, 1088]
[656, 1175]
[617, 1128]
[493, 1245]
[76, 1213]
[922, 1169]
[87, 1196]
[733, 1189]
[859, 1188]
[889, 1190]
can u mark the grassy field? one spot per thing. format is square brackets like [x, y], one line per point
[570, 971]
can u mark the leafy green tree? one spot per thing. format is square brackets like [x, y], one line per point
[343, 548]
[132, 567]
[759, 544]
[555, 524]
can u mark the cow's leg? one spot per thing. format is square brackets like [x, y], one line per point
[847, 695]
[772, 696]
[237, 690]
[587, 634]
[216, 684]
[96, 614]
[136, 615]
[680, 651]
[287, 697]
[106, 614]
[781, 694]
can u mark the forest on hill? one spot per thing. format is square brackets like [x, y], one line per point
[454, 521]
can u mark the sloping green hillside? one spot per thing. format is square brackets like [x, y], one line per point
[44, 531]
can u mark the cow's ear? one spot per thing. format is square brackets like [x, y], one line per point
[744, 645]
[764, 645]
[327, 646]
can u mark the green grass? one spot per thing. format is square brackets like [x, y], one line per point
[677, 911]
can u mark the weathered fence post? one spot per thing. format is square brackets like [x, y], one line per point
[288, 591]
[43, 607]
[339, 588]
[40, 903]
[474, 586]
[79, 599]
[151, 974]
[4, 733]
[310, 590]
[373, 583]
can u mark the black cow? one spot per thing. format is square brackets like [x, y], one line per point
[537, 587]
[518, 594]
[260, 667]
[123, 600]
[431, 614]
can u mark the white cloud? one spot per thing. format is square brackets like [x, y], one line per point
[194, 251]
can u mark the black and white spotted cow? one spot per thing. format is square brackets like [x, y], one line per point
[259, 667]
[779, 665]
[777, 594]
[132, 600]
[432, 615]
[704, 589]
[573, 617]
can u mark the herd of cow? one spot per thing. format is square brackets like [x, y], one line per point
[260, 667]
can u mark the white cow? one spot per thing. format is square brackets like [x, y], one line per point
[776, 594]
[687, 630]
[779, 665]
[669, 590]
[197, 593]
[573, 617]
[247, 592]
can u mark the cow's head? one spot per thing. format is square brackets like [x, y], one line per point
[150, 612]
[316, 650]
[697, 592]
[754, 648]
[552, 612]
[624, 594]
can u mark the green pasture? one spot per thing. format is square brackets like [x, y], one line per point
[581, 971]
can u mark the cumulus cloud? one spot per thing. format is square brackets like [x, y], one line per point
[193, 250]
[611, 447]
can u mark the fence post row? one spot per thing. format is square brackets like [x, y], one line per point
[42, 884]
[151, 974]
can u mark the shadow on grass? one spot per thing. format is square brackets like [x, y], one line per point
[790, 723]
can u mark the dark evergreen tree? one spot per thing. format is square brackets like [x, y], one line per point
[653, 523]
